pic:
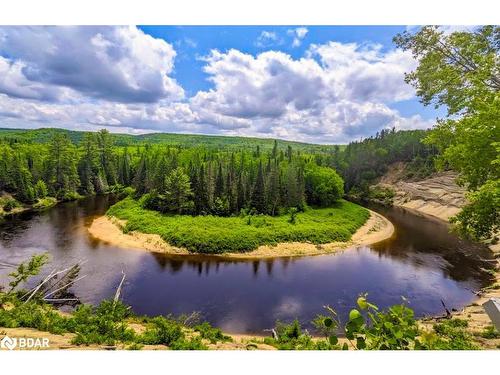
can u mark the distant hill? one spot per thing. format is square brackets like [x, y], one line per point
[43, 135]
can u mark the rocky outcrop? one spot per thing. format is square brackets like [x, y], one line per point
[438, 195]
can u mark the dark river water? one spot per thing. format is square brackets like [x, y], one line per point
[422, 262]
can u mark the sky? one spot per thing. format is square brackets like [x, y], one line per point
[317, 84]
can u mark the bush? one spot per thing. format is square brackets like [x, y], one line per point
[40, 189]
[9, 204]
[44, 203]
[395, 329]
[210, 333]
[162, 331]
[323, 186]
[68, 196]
[481, 217]
[104, 324]
[381, 194]
[490, 332]
[291, 337]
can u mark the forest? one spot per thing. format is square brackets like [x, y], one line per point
[185, 180]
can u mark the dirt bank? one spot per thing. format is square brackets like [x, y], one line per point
[438, 195]
[108, 229]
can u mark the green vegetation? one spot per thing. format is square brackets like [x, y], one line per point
[212, 234]
[44, 135]
[380, 194]
[363, 162]
[43, 203]
[195, 180]
[8, 205]
[368, 328]
[460, 72]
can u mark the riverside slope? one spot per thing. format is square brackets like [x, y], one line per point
[441, 197]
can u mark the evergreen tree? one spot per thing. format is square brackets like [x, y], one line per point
[273, 193]
[258, 193]
[219, 183]
[61, 169]
[88, 167]
[40, 189]
[140, 178]
[21, 178]
[107, 157]
[178, 191]
[124, 171]
[274, 153]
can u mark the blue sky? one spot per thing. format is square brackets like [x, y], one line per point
[322, 84]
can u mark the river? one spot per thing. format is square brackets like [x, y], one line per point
[422, 262]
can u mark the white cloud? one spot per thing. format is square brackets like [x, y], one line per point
[336, 93]
[298, 34]
[119, 78]
[121, 64]
[268, 39]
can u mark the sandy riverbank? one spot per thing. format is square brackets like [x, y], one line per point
[474, 313]
[108, 229]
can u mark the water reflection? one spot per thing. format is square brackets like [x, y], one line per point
[422, 262]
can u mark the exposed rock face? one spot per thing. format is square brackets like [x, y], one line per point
[439, 195]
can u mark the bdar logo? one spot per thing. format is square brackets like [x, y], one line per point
[24, 343]
[8, 343]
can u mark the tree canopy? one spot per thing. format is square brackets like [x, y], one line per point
[461, 71]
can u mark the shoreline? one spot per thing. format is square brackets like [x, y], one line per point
[473, 313]
[108, 229]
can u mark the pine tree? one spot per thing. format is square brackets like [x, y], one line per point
[178, 191]
[273, 191]
[219, 183]
[88, 166]
[258, 193]
[124, 171]
[22, 180]
[274, 153]
[240, 194]
[140, 178]
[61, 168]
[106, 154]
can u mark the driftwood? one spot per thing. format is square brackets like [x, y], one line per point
[55, 285]
[448, 313]
[119, 289]
[273, 333]
[191, 319]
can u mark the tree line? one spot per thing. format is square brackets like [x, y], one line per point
[191, 180]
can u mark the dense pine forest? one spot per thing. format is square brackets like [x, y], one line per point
[180, 179]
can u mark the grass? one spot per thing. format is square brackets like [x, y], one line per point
[44, 203]
[212, 234]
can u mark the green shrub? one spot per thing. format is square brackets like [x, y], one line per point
[9, 204]
[490, 332]
[381, 194]
[210, 333]
[323, 185]
[43, 203]
[40, 189]
[104, 324]
[162, 331]
[194, 343]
